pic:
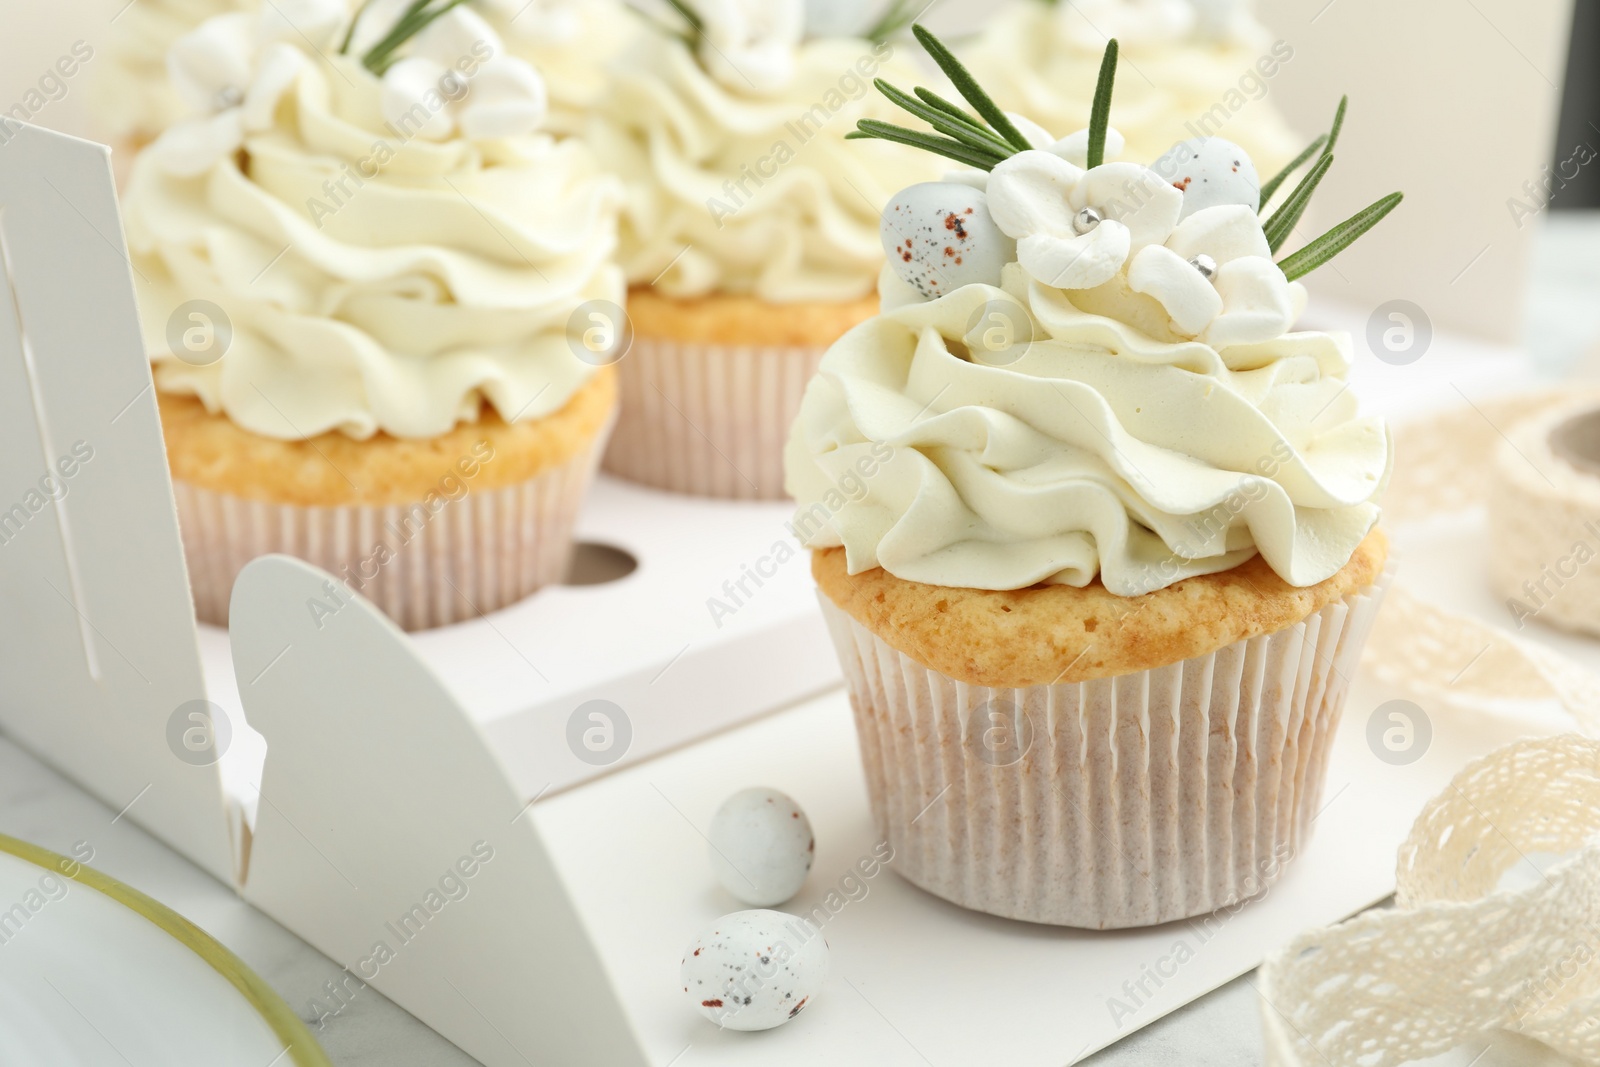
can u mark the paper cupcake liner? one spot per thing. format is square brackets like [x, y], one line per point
[1110, 803]
[484, 551]
[709, 420]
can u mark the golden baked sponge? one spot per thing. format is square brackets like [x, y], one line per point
[745, 320]
[1049, 634]
[333, 470]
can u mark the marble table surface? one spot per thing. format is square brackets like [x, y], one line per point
[39, 805]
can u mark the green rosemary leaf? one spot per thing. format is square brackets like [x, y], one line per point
[970, 90]
[689, 15]
[1337, 239]
[349, 34]
[1338, 124]
[1100, 111]
[1294, 164]
[418, 17]
[950, 149]
[933, 99]
[1282, 223]
[961, 129]
[896, 18]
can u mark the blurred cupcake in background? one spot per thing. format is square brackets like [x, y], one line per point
[1204, 68]
[356, 272]
[131, 94]
[750, 237]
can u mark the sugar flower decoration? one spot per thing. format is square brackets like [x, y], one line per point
[751, 44]
[231, 71]
[456, 77]
[1216, 279]
[1076, 227]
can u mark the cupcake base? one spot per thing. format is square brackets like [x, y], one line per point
[1112, 802]
[711, 386]
[426, 564]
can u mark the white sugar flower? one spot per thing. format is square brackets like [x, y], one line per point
[456, 76]
[751, 44]
[1075, 228]
[1216, 279]
[232, 70]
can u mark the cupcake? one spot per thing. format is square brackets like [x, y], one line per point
[131, 95]
[357, 276]
[750, 237]
[1205, 70]
[1094, 529]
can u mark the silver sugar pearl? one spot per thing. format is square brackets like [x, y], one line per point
[1087, 219]
[229, 96]
[1205, 265]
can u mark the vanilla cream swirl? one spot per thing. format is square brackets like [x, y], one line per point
[740, 189]
[1179, 78]
[375, 282]
[1097, 448]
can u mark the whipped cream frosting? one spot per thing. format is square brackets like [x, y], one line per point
[1107, 446]
[747, 185]
[376, 279]
[131, 94]
[1200, 71]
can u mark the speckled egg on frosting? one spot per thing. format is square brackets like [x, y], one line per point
[754, 970]
[940, 236]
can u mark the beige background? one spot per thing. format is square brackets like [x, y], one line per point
[1452, 101]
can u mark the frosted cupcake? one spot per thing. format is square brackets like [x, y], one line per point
[1094, 528]
[750, 237]
[1205, 68]
[357, 276]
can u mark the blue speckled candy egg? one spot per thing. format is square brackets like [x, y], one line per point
[1210, 172]
[761, 846]
[754, 970]
[939, 236]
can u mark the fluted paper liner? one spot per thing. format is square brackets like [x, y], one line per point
[706, 419]
[484, 551]
[1137, 800]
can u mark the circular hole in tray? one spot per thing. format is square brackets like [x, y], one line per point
[596, 564]
[1577, 440]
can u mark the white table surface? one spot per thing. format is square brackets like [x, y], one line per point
[38, 805]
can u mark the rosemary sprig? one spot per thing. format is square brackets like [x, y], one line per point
[418, 17]
[690, 15]
[1278, 228]
[1100, 111]
[1338, 124]
[960, 128]
[900, 14]
[1295, 164]
[349, 34]
[969, 88]
[1337, 239]
[950, 149]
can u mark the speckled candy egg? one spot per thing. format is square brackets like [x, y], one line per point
[939, 236]
[761, 846]
[1211, 172]
[754, 970]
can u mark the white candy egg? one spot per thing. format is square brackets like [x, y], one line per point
[754, 970]
[939, 236]
[761, 846]
[1211, 172]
